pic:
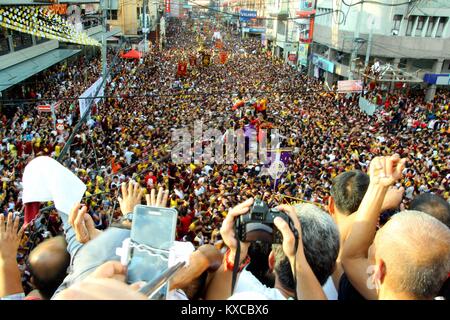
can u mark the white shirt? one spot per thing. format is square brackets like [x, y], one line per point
[247, 282]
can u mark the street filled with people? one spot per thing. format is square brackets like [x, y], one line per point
[231, 83]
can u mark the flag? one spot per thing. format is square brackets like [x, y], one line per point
[182, 69]
[206, 60]
[31, 211]
[223, 57]
[192, 61]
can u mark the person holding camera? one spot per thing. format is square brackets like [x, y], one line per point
[304, 285]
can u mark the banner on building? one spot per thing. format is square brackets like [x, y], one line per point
[88, 96]
[303, 53]
[263, 40]
[323, 63]
[247, 15]
[346, 86]
[167, 5]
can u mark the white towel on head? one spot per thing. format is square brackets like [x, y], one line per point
[45, 179]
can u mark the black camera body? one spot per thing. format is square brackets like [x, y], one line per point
[258, 226]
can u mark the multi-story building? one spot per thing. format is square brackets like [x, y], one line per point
[23, 55]
[252, 22]
[413, 37]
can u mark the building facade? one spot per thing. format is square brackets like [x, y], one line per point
[23, 55]
[412, 37]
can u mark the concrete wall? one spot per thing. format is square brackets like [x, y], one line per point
[382, 16]
[127, 19]
[385, 46]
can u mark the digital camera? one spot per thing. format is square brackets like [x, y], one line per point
[258, 226]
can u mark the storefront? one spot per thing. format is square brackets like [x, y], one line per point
[321, 66]
[440, 79]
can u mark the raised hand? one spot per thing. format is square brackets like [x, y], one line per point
[385, 171]
[105, 283]
[10, 236]
[393, 198]
[160, 200]
[227, 229]
[288, 235]
[83, 224]
[131, 196]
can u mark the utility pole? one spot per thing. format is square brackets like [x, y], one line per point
[104, 20]
[145, 28]
[369, 44]
[309, 64]
[355, 44]
[286, 52]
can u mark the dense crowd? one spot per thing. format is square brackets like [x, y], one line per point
[128, 136]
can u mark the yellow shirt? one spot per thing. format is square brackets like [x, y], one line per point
[57, 151]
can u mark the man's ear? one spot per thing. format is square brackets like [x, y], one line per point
[271, 261]
[331, 208]
[380, 270]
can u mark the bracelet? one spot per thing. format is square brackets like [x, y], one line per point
[229, 265]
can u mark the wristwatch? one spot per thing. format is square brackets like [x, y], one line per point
[128, 217]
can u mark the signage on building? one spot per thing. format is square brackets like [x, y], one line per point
[60, 9]
[346, 86]
[306, 5]
[247, 15]
[292, 57]
[167, 5]
[323, 63]
[257, 30]
[303, 53]
[442, 79]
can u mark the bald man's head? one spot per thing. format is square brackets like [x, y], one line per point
[413, 250]
[48, 265]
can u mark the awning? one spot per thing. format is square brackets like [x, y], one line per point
[390, 73]
[132, 54]
[21, 71]
[113, 32]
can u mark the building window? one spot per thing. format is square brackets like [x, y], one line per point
[420, 23]
[409, 27]
[431, 24]
[441, 26]
[397, 23]
[4, 44]
[21, 40]
[41, 40]
[112, 14]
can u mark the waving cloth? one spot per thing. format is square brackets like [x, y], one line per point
[45, 179]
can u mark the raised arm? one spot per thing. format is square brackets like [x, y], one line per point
[308, 287]
[10, 237]
[220, 286]
[384, 172]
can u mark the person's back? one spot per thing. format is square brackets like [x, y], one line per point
[347, 192]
